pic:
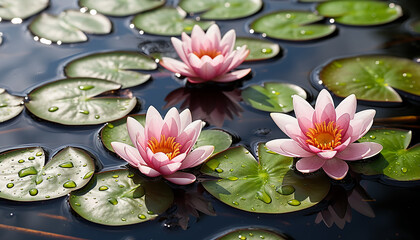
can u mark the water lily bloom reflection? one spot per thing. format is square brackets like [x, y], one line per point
[164, 146]
[323, 137]
[207, 57]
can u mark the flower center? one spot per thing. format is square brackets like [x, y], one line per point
[209, 52]
[167, 146]
[324, 136]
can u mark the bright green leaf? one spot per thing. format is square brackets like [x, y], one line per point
[259, 49]
[120, 8]
[10, 106]
[252, 234]
[10, 9]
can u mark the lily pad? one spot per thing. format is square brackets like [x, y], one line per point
[117, 132]
[75, 101]
[360, 13]
[121, 197]
[251, 234]
[272, 96]
[26, 178]
[372, 78]
[114, 66]
[69, 26]
[414, 26]
[292, 25]
[120, 8]
[167, 21]
[395, 161]
[258, 49]
[10, 9]
[267, 186]
[10, 106]
[222, 9]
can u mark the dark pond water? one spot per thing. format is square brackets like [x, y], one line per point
[26, 64]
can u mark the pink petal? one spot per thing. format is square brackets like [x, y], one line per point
[327, 154]
[173, 121]
[302, 109]
[170, 168]
[185, 119]
[324, 99]
[327, 114]
[357, 151]
[361, 123]
[343, 122]
[178, 45]
[154, 123]
[180, 178]
[197, 156]
[176, 66]
[188, 138]
[228, 42]
[179, 158]
[287, 147]
[148, 171]
[343, 145]
[134, 154]
[335, 168]
[197, 36]
[213, 34]
[206, 70]
[135, 130]
[348, 105]
[120, 150]
[309, 164]
[282, 120]
[159, 159]
[232, 76]
[239, 57]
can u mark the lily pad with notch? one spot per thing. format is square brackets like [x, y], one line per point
[258, 49]
[396, 160]
[167, 21]
[267, 186]
[69, 26]
[121, 197]
[26, 177]
[292, 26]
[10, 106]
[79, 101]
[222, 9]
[272, 96]
[11, 9]
[118, 8]
[115, 66]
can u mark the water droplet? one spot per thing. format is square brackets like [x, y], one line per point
[110, 125]
[123, 219]
[103, 188]
[52, 109]
[213, 164]
[243, 166]
[402, 136]
[404, 169]
[31, 158]
[77, 204]
[231, 170]
[294, 202]
[242, 237]
[69, 184]
[219, 170]
[226, 156]
[407, 75]
[262, 237]
[10, 185]
[188, 28]
[236, 203]
[372, 137]
[267, 50]
[130, 175]
[285, 189]
[39, 180]
[86, 112]
[3, 105]
[115, 176]
[263, 196]
[38, 154]
[97, 116]
[121, 186]
[21, 161]
[150, 212]
[27, 171]
[232, 178]
[141, 216]
[85, 87]
[66, 165]
[113, 201]
[33, 191]
[88, 175]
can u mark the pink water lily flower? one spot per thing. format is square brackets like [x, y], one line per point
[323, 137]
[207, 57]
[164, 146]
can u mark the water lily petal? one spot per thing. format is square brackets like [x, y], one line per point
[343, 122]
[213, 34]
[310, 164]
[180, 178]
[287, 147]
[282, 120]
[228, 42]
[185, 119]
[197, 156]
[197, 36]
[179, 48]
[173, 122]
[135, 130]
[134, 155]
[335, 168]
[176, 66]
[159, 159]
[348, 105]
[357, 151]
[148, 171]
[303, 110]
[119, 149]
[170, 168]
[327, 154]
[361, 123]
[232, 76]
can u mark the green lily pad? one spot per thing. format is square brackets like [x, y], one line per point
[10, 9]
[414, 26]
[258, 49]
[26, 178]
[292, 25]
[222, 9]
[252, 234]
[272, 96]
[69, 26]
[121, 197]
[167, 21]
[372, 78]
[114, 66]
[116, 131]
[120, 8]
[360, 13]
[267, 186]
[75, 101]
[395, 161]
[10, 106]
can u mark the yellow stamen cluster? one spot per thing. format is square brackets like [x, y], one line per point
[211, 53]
[324, 136]
[165, 145]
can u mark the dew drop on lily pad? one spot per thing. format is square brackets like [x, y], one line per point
[103, 188]
[86, 112]
[52, 109]
[66, 165]
[69, 184]
[88, 175]
[31, 158]
[263, 196]
[27, 171]
[285, 189]
[10, 185]
[113, 201]
[142, 216]
[233, 178]
[21, 161]
[294, 202]
[33, 192]
[85, 87]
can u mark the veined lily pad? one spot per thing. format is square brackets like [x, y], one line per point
[222, 9]
[117, 132]
[114, 66]
[272, 96]
[360, 13]
[292, 25]
[251, 234]
[167, 21]
[267, 186]
[395, 160]
[121, 197]
[258, 49]
[10, 106]
[372, 78]
[75, 101]
[120, 8]
[26, 178]
[10, 9]
[69, 26]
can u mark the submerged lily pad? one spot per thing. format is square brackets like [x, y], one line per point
[167, 21]
[372, 78]
[26, 178]
[395, 161]
[292, 25]
[10, 106]
[251, 234]
[69, 26]
[267, 186]
[117, 132]
[222, 9]
[75, 101]
[258, 49]
[121, 197]
[272, 96]
[120, 8]
[114, 66]
[10, 9]
[360, 13]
